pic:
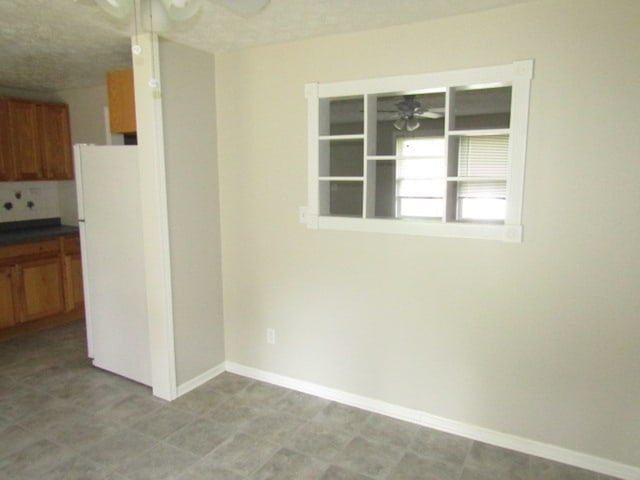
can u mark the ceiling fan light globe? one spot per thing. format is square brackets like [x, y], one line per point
[119, 9]
[412, 124]
[399, 124]
[181, 10]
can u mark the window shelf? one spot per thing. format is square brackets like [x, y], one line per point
[477, 179]
[434, 178]
[355, 136]
[341, 179]
[479, 132]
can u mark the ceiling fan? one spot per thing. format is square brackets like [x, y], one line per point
[166, 13]
[410, 108]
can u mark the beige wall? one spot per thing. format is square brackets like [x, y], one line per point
[189, 119]
[43, 96]
[539, 339]
[86, 114]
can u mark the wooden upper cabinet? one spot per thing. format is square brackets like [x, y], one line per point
[35, 140]
[122, 107]
[24, 137]
[6, 155]
[55, 141]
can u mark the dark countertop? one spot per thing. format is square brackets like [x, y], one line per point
[34, 230]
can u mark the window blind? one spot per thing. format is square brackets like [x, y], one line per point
[483, 156]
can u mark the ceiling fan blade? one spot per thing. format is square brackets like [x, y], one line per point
[243, 7]
[429, 114]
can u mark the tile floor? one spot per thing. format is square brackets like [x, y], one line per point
[62, 419]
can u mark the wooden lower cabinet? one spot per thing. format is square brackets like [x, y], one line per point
[40, 284]
[72, 274]
[7, 305]
[40, 287]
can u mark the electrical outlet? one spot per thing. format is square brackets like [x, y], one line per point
[271, 336]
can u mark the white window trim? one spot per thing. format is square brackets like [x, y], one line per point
[518, 74]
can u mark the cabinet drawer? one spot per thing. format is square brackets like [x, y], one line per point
[12, 252]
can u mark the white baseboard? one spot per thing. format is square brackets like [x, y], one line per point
[200, 379]
[493, 437]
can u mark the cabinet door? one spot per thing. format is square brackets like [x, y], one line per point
[74, 294]
[55, 141]
[6, 156]
[40, 286]
[7, 310]
[23, 131]
[122, 107]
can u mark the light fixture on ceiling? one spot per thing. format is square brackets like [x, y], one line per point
[410, 123]
[399, 124]
[408, 110]
[151, 15]
[116, 8]
[162, 15]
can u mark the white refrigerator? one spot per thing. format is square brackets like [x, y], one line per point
[109, 218]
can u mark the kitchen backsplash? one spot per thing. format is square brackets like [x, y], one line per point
[28, 200]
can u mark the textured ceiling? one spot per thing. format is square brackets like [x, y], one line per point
[59, 44]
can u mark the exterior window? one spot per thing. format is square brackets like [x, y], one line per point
[437, 154]
[485, 158]
[421, 177]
